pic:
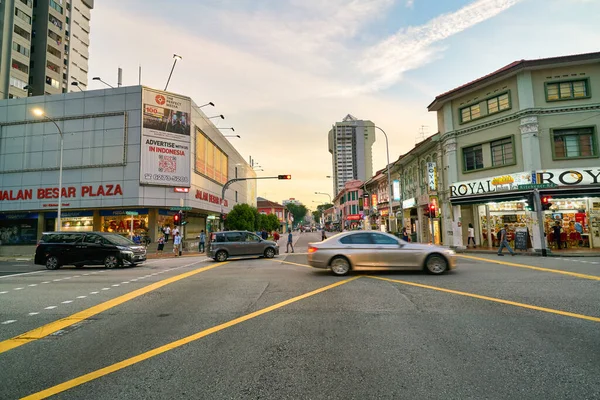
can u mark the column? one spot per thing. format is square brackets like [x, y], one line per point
[452, 215]
[530, 143]
[457, 228]
[97, 221]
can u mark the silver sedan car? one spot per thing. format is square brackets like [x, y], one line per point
[372, 250]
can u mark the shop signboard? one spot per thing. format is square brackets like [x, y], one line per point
[410, 203]
[113, 213]
[567, 177]
[432, 176]
[70, 214]
[166, 144]
[396, 190]
[493, 184]
[354, 217]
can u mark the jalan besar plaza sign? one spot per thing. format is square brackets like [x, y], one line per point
[508, 182]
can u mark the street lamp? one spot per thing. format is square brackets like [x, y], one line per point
[97, 78]
[40, 113]
[76, 84]
[389, 186]
[210, 103]
[237, 136]
[217, 116]
[175, 59]
[233, 130]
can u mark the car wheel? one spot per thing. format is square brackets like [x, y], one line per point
[79, 265]
[52, 262]
[111, 261]
[221, 256]
[269, 253]
[340, 266]
[436, 264]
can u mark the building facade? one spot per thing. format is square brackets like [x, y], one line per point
[270, 207]
[44, 46]
[350, 144]
[128, 150]
[349, 205]
[531, 125]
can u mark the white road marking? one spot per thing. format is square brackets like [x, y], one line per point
[23, 259]
[33, 313]
[46, 282]
[3, 292]
[106, 288]
[68, 277]
[56, 280]
[94, 292]
[24, 273]
[133, 280]
[124, 282]
[81, 297]
[85, 274]
[18, 288]
[33, 284]
[116, 284]
[67, 301]
[49, 307]
[9, 321]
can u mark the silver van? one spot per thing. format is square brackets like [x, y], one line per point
[223, 245]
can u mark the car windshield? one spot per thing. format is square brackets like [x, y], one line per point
[119, 240]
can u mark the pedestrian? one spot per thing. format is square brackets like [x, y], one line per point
[276, 236]
[578, 227]
[167, 231]
[289, 242]
[175, 230]
[556, 229]
[404, 234]
[161, 244]
[471, 235]
[177, 244]
[202, 241]
[503, 237]
[323, 234]
[137, 239]
[264, 234]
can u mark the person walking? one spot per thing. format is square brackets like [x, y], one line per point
[556, 229]
[202, 241]
[264, 234]
[177, 244]
[471, 235]
[289, 242]
[323, 234]
[276, 236]
[161, 244]
[167, 231]
[404, 234]
[503, 236]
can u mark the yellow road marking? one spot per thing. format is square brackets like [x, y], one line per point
[555, 271]
[170, 346]
[45, 330]
[493, 299]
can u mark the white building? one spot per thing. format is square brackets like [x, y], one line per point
[79, 15]
[350, 143]
[128, 149]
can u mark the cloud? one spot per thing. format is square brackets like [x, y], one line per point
[410, 3]
[413, 47]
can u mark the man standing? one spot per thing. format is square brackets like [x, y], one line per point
[176, 244]
[556, 230]
[289, 242]
[167, 233]
[202, 241]
[503, 236]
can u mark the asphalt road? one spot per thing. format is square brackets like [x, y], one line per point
[191, 328]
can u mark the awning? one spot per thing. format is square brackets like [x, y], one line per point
[491, 197]
[572, 191]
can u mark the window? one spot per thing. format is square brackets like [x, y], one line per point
[26, 2]
[473, 158]
[498, 103]
[20, 66]
[92, 239]
[578, 142]
[357, 238]
[210, 161]
[251, 237]
[567, 90]
[21, 49]
[234, 236]
[57, 38]
[53, 67]
[17, 83]
[52, 82]
[470, 113]
[55, 21]
[22, 32]
[379, 238]
[22, 15]
[54, 52]
[56, 6]
[502, 152]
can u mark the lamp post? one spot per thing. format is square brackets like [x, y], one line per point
[217, 116]
[237, 136]
[76, 84]
[97, 78]
[175, 59]
[232, 130]
[330, 201]
[210, 103]
[40, 113]
[389, 185]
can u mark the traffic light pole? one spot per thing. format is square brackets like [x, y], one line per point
[540, 218]
[229, 182]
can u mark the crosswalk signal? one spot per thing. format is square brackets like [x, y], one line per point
[432, 210]
[546, 202]
[177, 219]
[284, 177]
[426, 211]
[182, 220]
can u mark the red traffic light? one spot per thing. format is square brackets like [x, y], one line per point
[284, 177]
[176, 219]
[546, 199]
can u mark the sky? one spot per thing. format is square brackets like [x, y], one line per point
[283, 71]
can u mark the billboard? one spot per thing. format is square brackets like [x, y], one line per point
[166, 140]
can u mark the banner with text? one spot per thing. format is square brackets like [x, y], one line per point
[166, 144]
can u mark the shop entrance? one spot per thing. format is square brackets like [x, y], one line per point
[573, 224]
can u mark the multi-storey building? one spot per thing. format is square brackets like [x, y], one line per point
[350, 143]
[267, 207]
[349, 204]
[531, 125]
[44, 46]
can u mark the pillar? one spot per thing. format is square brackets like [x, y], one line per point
[97, 221]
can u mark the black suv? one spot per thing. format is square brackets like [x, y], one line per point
[56, 249]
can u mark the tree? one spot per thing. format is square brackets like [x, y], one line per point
[269, 222]
[320, 209]
[242, 217]
[298, 212]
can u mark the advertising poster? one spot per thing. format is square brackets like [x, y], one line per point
[166, 139]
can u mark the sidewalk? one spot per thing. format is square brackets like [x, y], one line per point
[583, 252]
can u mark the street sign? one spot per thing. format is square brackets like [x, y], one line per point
[537, 186]
[180, 208]
[131, 213]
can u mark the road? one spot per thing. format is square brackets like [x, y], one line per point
[191, 328]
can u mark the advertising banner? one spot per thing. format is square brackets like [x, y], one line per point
[166, 144]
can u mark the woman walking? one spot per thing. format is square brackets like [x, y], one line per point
[471, 231]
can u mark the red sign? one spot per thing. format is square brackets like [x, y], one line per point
[160, 99]
[211, 198]
[181, 190]
[67, 192]
[354, 217]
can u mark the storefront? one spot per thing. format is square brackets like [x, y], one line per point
[411, 218]
[71, 221]
[574, 206]
[18, 229]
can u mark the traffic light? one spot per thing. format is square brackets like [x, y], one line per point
[177, 219]
[432, 210]
[182, 218]
[546, 203]
[426, 211]
[284, 177]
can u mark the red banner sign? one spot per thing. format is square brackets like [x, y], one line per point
[67, 192]
[211, 198]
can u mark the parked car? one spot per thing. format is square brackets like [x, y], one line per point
[240, 244]
[56, 249]
[371, 250]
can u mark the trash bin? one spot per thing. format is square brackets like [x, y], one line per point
[413, 237]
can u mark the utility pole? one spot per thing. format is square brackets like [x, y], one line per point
[540, 218]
